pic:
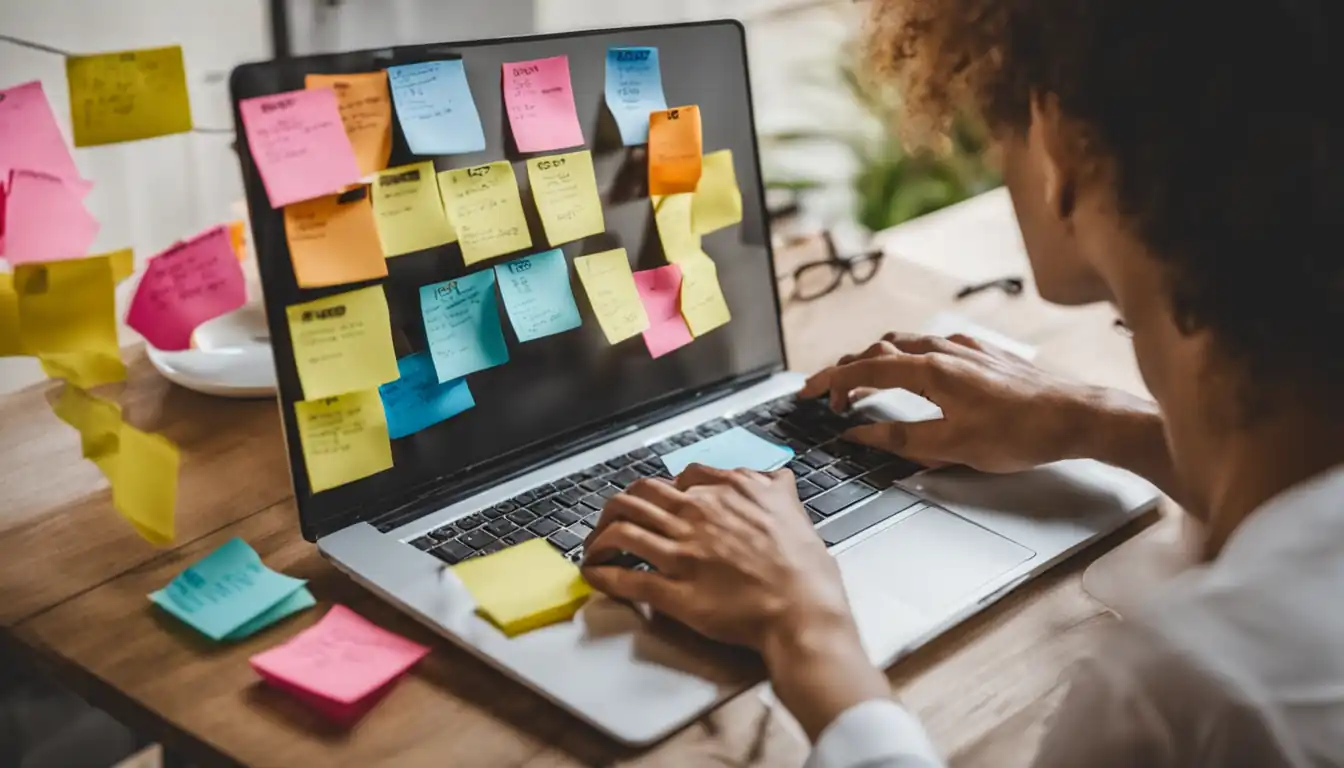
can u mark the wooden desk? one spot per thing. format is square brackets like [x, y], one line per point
[73, 581]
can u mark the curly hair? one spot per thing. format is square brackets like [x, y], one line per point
[1218, 126]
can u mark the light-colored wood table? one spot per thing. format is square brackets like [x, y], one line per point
[73, 581]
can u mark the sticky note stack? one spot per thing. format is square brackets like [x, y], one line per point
[524, 587]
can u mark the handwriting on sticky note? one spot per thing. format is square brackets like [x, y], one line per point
[660, 291]
[539, 99]
[224, 590]
[185, 286]
[128, 95]
[674, 150]
[409, 211]
[734, 449]
[32, 139]
[343, 343]
[417, 400]
[45, 219]
[333, 242]
[366, 114]
[436, 108]
[702, 301]
[524, 587]
[344, 438]
[717, 202]
[462, 325]
[565, 189]
[634, 88]
[67, 307]
[672, 215]
[299, 145]
[610, 286]
[486, 210]
[537, 295]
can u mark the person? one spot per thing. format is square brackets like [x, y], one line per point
[1182, 161]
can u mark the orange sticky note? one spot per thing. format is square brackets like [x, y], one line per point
[333, 242]
[366, 113]
[675, 146]
[238, 238]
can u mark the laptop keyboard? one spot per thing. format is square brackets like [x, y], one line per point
[832, 477]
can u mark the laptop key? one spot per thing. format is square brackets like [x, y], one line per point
[664, 447]
[807, 490]
[625, 477]
[816, 459]
[640, 454]
[443, 534]
[501, 526]
[477, 539]
[841, 528]
[825, 481]
[492, 548]
[591, 520]
[562, 484]
[564, 540]
[543, 508]
[518, 537]
[424, 543]
[569, 498]
[813, 516]
[593, 485]
[581, 530]
[524, 498]
[576, 478]
[594, 502]
[522, 516]
[544, 527]
[609, 491]
[841, 498]
[466, 523]
[798, 468]
[565, 517]
[499, 510]
[618, 463]
[845, 470]
[453, 552]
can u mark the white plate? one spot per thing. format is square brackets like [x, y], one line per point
[231, 357]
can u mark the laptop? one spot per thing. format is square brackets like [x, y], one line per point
[570, 420]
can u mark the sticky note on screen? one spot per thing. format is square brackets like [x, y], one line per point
[462, 325]
[299, 145]
[735, 449]
[225, 591]
[634, 89]
[366, 114]
[672, 215]
[128, 95]
[436, 108]
[565, 189]
[539, 99]
[343, 343]
[344, 438]
[660, 291]
[333, 242]
[524, 587]
[675, 145]
[417, 400]
[486, 210]
[45, 219]
[185, 286]
[67, 307]
[538, 295]
[409, 211]
[717, 202]
[702, 300]
[610, 286]
[32, 139]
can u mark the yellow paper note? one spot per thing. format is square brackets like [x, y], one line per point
[611, 291]
[366, 114]
[343, 343]
[10, 343]
[127, 95]
[717, 202]
[408, 210]
[565, 189]
[702, 303]
[524, 587]
[333, 243]
[486, 210]
[98, 422]
[344, 438]
[84, 369]
[144, 483]
[67, 307]
[122, 263]
[672, 215]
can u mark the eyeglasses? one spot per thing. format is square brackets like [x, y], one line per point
[818, 278]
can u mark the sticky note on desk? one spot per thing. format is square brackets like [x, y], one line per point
[436, 108]
[565, 189]
[486, 210]
[610, 286]
[539, 99]
[675, 145]
[717, 202]
[32, 139]
[524, 587]
[186, 285]
[462, 324]
[702, 301]
[634, 89]
[343, 343]
[734, 449]
[538, 295]
[418, 400]
[409, 211]
[67, 307]
[672, 215]
[660, 291]
[332, 242]
[344, 438]
[128, 95]
[299, 145]
[45, 219]
[366, 114]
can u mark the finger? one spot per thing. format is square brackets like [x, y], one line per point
[861, 393]
[665, 595]
[623, 536]
[923, 344]
[643, 511]
[923, 441]
[699, 474]
[819, 383]
[912, 372]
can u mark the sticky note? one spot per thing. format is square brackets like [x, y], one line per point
[672, 215]
[735, 449]
[565, 189]
[702, 301]
[143, 475]
[436, 109]
[238, 238]
[29, 136]
[538, 295]
[224, 591]
[344, 438]
[524, 587]
[660, 291]
[299, 145]
[84, 369]
[333, 242]
[366, 114]
[97, 420]
[128, 95]
[409, 211]
[343, 343]
[417, 400]
[300, 600]
[674, 150]
[539, 98]
[462, 325]
[634, 89]
[45, 219]
[717, 202]
[67, 307]
[122, 263]
[485, 210]
[11, 344]
[611, 291]
[184, 286]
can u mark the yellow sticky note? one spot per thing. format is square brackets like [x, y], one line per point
[366, 114]
[672, 215]
[717, 202]
[11, 344]
[98, 422]
[84, 369]
[702, 303]
[343, 343]
[408, 210]
[122, 263]
[611, 291]
[144, 483]
[67, 306]
[486, 210]
[127, 95]
[344, 438]
[333, 242]
[524, 587]
[565, 188]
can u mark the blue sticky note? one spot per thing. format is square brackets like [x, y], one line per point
[735, 449]
[222, 593]
[417, 400]
[634, 89]
[301, 600]
[538, 295]
[462, 325]
[435, 108]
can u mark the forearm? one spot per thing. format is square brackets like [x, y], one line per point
[1117, 428]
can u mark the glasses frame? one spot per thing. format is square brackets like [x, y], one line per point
[840, 266]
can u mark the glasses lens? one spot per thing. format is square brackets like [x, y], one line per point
[864, 267]
[815, 280]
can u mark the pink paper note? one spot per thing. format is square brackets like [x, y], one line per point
[540, 102]
[299, 145]
[29, 137]
[342, 714]
[45, 219]
[2, 215]
[660, 291]
[185, 286]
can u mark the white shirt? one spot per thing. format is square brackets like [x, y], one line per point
[1239, 663]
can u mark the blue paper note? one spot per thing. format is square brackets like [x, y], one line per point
[735, 449]
[301, 600]
[462, 324]
[418, 401]
[634, 89]
[224, 592]
[538, 295]
[435, 108]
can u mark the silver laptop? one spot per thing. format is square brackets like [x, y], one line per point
[570, 420]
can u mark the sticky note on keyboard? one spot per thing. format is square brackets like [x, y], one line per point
[32, 139]
[565, 189]
[735, 449]
[610, 286]
[524, 587]
[409, 211]
[185, 286]
[417, 400]
[486, 210]
[674, 150]
[333, 241]
[702, 301]
[128, 95]
[344, 438]
[366, 114]
[717, 202]
[538, 295]
[660, 291]
[343, 343]
[634, 89]
[672, 215]
[463, 326]
[299, 145]
[539, 99]
[436, 108]
[45, 219]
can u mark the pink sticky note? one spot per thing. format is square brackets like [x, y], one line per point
[299, 145]
[45, 219]
[660, 291]
[29, 137]
[540, 102]
[186, 285]
[2, 215]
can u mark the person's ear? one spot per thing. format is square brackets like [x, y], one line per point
[1050, 147]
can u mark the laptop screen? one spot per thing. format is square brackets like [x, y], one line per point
[559, 393]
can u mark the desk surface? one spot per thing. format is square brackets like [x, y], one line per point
[73, 580]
